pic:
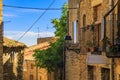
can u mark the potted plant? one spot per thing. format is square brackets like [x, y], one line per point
[112, 51]
[92, 27]
[90, 45]
[84, 29]
[84, 47]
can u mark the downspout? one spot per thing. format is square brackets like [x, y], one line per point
[112, 22]
[112, 36]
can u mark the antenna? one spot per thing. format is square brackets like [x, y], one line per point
[38, 32]
[47, 30]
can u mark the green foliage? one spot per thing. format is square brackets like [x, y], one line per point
[90, 43]
[52, 57]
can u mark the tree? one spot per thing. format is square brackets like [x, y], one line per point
[52, 58]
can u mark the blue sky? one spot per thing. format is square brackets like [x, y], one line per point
[17, 21]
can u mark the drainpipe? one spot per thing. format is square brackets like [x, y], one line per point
[112, 35]
[112, 22]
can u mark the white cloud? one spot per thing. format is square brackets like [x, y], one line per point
[29, 39]
[9, 15]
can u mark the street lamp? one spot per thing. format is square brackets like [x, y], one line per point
[68, 38]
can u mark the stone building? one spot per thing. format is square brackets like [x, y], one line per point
[93, 26]
[12, 59]
[1, 40]
[32, 72]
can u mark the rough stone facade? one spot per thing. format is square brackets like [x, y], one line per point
[31, 71]
[12, 59]
[75, 66]
[87, 13]
[34, 73]
[1, 42]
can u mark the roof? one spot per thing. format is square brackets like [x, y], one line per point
[46, 39]
[28, 52]
[12, 43]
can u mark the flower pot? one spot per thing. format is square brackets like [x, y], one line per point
[113, 52]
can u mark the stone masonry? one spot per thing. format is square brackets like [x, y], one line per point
[76, 65]
[1, 42]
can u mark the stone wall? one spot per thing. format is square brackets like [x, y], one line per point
[1, 42]
[76, 65]
[35, 72]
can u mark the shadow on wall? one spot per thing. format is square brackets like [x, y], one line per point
[8, 71]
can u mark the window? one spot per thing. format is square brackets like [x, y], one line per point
[32, 66]
[105, 74]
[97, 12]
[90, 73]
[118, 76]
[97, 33]
[40, 78]
[84, 20]
[31, 77]
[75, 31]
[83, 28]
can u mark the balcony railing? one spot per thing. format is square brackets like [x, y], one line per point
[113, 51]
[74, 47]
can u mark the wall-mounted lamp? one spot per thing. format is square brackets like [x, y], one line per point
[68, 38]
[72, 47]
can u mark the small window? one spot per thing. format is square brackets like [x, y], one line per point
[84, 20]
[118, 76]
[90, 73]
[32, 66]
[97, 12]
[31, 77]
[83, 29]
[105, 74]
[75, 31]
[40, 78]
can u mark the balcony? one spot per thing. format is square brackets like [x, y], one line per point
[113, 51]
[74, 47]
[97, 51]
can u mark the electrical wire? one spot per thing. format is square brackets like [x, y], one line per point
[33, 24]
[36, 20]
[11, 6]
[31, 7]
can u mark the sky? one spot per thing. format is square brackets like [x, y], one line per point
[17, 21]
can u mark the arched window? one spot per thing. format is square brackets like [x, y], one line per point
[84, 20]
[32, 66]
[83, 29]
[75, 31]
[31, 77]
